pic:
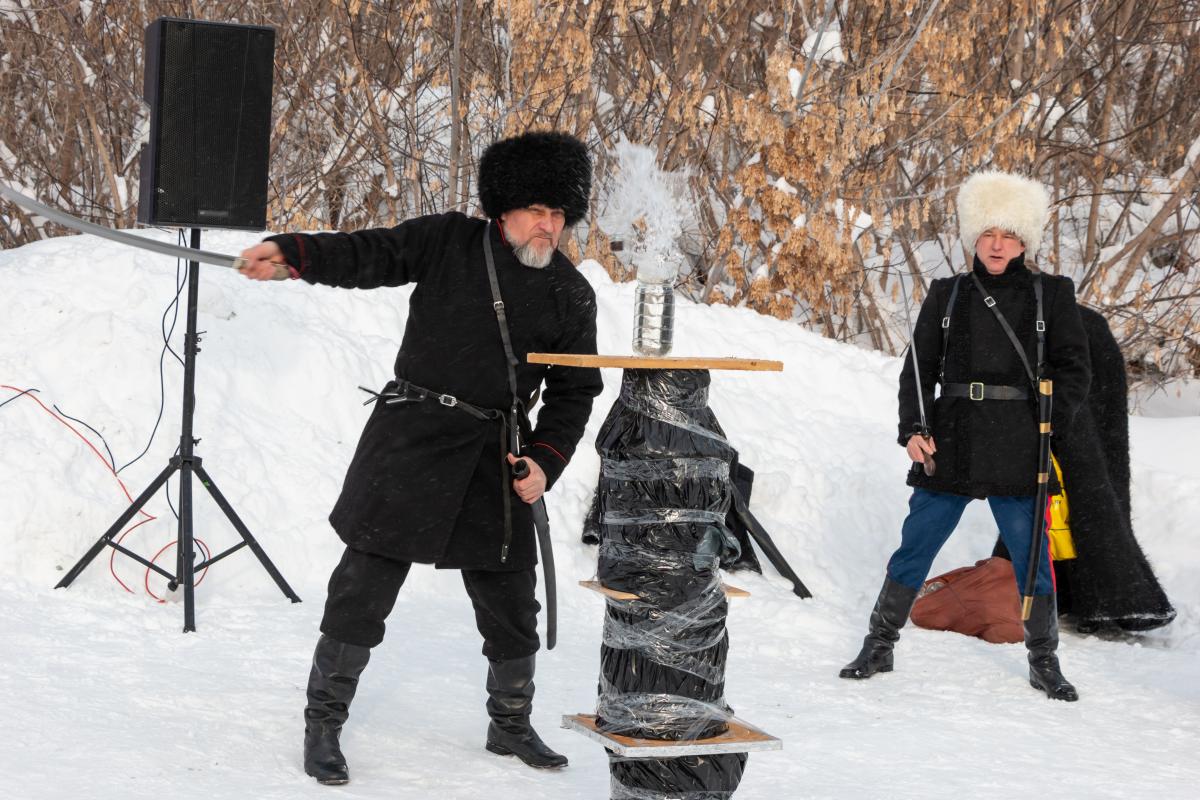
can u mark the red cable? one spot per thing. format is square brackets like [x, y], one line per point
[165, 548]
[149, 517]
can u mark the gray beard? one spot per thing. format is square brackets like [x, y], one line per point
[528, 255]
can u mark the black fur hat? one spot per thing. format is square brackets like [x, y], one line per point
[544, 168]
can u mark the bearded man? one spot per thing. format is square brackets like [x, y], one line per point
[433, 477]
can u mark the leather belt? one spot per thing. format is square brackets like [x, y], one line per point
[407, 392]
[981, 391]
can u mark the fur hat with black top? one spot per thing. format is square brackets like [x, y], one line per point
[544, 168]
[994, 199]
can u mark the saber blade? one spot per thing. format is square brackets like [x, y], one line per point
[126, 238]
[929, 466]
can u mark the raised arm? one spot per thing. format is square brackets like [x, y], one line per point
[360, 260]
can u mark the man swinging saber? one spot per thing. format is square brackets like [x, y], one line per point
[449, 440]
[433, 477]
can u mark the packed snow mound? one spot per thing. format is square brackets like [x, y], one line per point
[278, 414]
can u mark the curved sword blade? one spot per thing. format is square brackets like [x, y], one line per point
[122, 237]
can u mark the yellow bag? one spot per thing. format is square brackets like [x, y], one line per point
[1062, 546]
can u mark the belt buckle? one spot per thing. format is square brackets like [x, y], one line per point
[971, 390]
[448, 400]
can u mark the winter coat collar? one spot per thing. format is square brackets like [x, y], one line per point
[1016, 269]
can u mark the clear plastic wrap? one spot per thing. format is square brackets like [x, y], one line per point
[666, 468]
[663, 501]
[634, 714]
[678, 637]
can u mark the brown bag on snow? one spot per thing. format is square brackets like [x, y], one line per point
[978, 601]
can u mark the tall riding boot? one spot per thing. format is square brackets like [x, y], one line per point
[1041, 639]
[331, 684]
[887, 618]
[510, 701]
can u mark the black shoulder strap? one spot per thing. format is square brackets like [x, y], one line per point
[510, 360]
[946, 327]
[990, 302]
[1040, 325]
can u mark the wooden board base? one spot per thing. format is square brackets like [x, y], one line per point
[653, 362]
[615, 594]
[740, 738]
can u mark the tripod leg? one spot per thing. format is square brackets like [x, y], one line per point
[186, 560]
[141, 500]
[251, 542]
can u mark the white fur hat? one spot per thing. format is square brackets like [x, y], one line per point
[994, 199]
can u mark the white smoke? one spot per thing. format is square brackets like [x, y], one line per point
[647, 206]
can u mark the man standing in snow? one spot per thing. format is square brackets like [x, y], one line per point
[983, 426]
[430, 479]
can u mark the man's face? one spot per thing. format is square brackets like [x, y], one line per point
[534, 233]
[996, 247]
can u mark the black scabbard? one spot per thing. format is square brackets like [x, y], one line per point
[541, 523]
[1038, 539]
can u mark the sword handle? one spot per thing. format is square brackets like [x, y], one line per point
[282, 272]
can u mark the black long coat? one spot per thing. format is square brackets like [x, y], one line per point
[425, 483]
[1110, 580]
[989, 447]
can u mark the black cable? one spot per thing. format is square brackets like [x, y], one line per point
[162, 385]
[167, 491]
[112, 462]
[18, 394]
[174, 305]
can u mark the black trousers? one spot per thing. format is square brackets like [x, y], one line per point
[363, 589]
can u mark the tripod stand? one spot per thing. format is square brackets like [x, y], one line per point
[187, 464]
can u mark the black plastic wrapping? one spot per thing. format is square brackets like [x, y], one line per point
[743, 479]
[685, 778]
[663, 500]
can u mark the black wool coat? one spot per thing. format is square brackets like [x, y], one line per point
[990, 447]
[1110, 580]
[426, 481]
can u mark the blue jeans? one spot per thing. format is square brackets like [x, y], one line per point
[932, 517]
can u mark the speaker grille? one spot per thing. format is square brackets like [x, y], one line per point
[210, 124]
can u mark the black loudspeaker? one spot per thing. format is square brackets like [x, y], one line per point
[208, 85]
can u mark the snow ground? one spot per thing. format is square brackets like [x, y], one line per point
[105, 699]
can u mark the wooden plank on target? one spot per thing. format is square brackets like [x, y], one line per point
[741, 737]
[655, 362]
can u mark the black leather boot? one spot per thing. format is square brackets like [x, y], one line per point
[331, 684]
[887, 618]
[510, 701]
[1041, 639]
